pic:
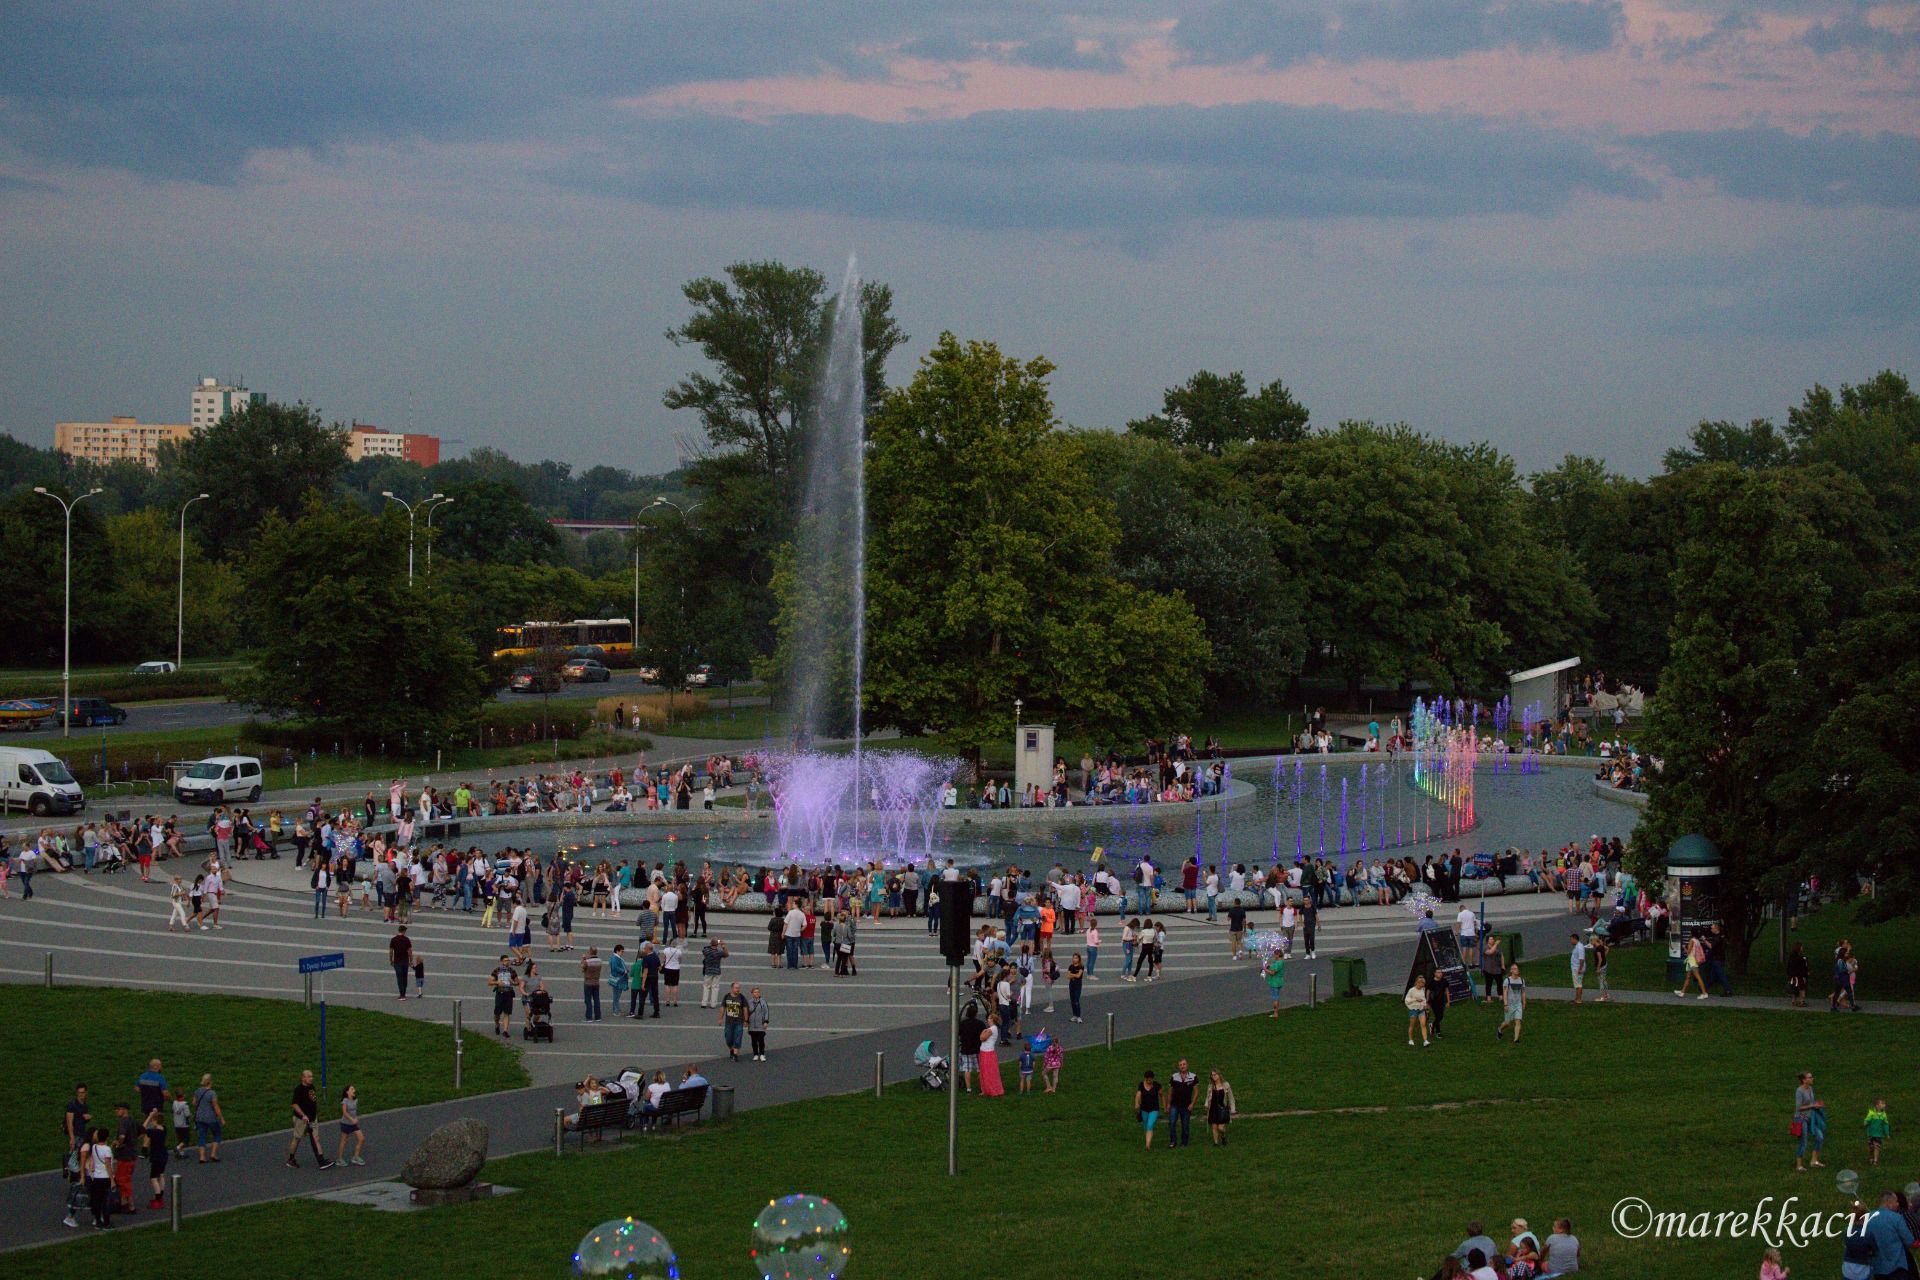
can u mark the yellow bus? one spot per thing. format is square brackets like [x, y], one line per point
[613, 635]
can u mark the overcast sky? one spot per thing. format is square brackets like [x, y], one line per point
[1558, 225]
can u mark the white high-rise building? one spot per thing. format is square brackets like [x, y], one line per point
[213, 400]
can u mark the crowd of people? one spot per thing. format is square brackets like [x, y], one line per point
[1523, 1255]
[163, 1122]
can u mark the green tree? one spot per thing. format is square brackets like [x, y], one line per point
[260, 459]
[32, 541]
[345, 644]
[1849, 791]
[490, 523]
[139, 615]
[1754, 447]
[989, 574]
[1188, 525]
[1754, 590]
[1212, 412]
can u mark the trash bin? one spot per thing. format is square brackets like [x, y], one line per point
[1349, 975]
[722, 1101]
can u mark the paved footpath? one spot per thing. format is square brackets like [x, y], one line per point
[826, 1030]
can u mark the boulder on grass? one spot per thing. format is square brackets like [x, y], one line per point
[449, 1158]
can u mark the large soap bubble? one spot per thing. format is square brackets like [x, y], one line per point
[801, 1237]
[1847, 1182]
[628, 1248]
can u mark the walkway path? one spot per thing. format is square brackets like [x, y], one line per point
[825, 1034]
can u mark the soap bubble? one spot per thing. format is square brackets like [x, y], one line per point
[628, 1248]
[801, 1237]
[1847, 1182]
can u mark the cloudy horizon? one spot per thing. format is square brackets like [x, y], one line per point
[1555, 225]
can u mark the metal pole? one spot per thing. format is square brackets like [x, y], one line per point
[879, 1070]
[1109, 1031]
[180, 628]
[309, 999]
[66, 639]
[953, 1072]
[49, 970]
[1313, 990]
[459, 1061]
[173, 1200]
[458, 1022]
[559, 1128]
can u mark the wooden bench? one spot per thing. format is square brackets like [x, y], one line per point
[599, 1118]
[677, 1105]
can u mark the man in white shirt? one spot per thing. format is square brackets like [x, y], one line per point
[1069, 894]
[669, 917]
[796, 924]
[1467, 925]
[1577, 962]
[1144, 877]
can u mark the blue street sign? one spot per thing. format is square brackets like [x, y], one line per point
[320, 964]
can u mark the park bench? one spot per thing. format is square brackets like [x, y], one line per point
[599, 1118]
[676, 1105]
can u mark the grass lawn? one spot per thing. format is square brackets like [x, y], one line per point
[145, 755]
[1354, 1156]
[254, 1048]
[1889, 954]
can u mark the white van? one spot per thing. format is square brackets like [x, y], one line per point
[38, 782]
[218, 779]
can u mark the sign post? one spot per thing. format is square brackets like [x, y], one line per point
[311, 965]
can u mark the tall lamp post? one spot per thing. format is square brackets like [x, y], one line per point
[180, 594]
[657, 502]
[66, 625]
[430, 506]
[388, 494]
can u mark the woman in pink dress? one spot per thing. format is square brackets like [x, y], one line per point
[990, 1059]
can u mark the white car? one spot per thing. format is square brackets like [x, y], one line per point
[155, 669]
[218, 779]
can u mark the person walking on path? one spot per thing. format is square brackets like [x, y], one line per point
[1716, 969]
[153, 1132]
[1809, 1125]
[96, 1164]
[400, 956]
[1220, 1107]
[306, 1123]
[350, 1127]
[1844, 968]
[1146, 1105]
[1797, 973]
[1695, 961]
[759, 1018]
[1516, 1004]
[1093, 946]
[502, 981]
[1275, 972]
[590, 967]
[209, 1121]
[177, 905]
[711, 957]
[733, 1019]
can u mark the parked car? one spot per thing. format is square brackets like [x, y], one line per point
[38, 782]
[648, 675]
[155, 669]
[700, 677]
[531, 680]
[586, 671]
[218, 779]
[95, 711]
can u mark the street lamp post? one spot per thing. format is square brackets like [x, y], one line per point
[180, 625]
[657, 502]
[429, 506]
[66, 624]
[388, 494]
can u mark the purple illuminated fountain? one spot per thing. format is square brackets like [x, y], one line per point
[859, 805]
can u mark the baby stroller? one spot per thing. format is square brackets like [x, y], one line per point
[539, 1018]
[933, 1067]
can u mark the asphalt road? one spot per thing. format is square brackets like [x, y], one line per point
[163, 717]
